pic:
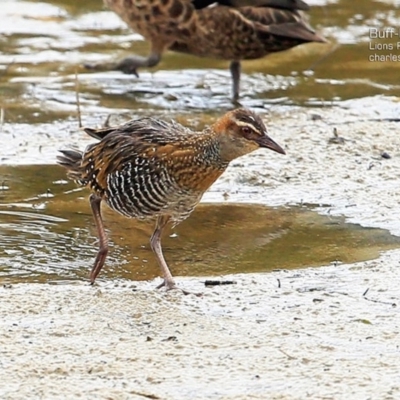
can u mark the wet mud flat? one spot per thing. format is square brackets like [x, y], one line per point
[285, 335]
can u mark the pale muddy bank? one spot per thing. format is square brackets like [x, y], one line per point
[284, 335]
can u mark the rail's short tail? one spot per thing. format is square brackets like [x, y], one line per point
[72, 161]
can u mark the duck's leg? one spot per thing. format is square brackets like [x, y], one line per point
[235, 69]
[95, 202]
[130, 65]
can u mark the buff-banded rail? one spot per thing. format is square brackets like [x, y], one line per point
[152, 169]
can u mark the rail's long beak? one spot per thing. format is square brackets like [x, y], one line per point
[267, 142]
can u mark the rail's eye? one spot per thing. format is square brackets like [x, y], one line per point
[246, 130]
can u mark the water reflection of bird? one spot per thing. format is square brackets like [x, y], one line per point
[232, 30]
[149, 168]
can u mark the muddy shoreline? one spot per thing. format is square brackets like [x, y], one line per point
[315, 336]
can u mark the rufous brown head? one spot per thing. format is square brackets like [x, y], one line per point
[243, 131]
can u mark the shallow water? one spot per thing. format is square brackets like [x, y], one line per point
[44, 43]
[48, 235]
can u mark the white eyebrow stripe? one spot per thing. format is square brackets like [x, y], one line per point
[242, 123]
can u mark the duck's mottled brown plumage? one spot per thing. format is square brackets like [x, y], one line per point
[228, 29]
[149, 168]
